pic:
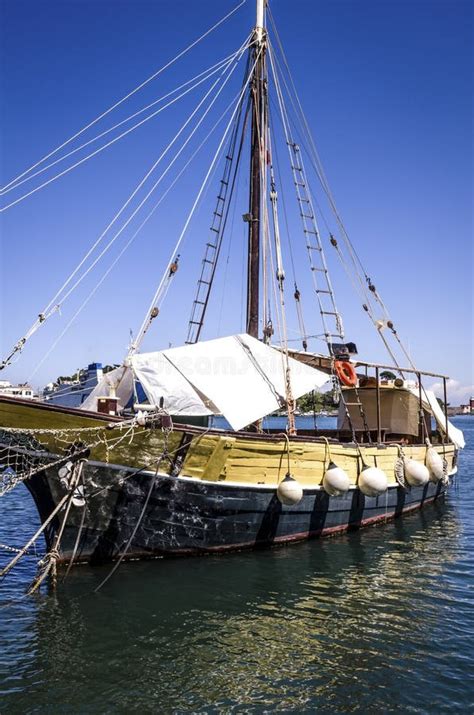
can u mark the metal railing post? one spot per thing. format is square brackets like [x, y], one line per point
[377, 392]
[421, 428]
[445, 397]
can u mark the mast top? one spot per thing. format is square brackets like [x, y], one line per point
[259, 26]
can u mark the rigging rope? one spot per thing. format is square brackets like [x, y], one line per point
[130, 94]
[145, 324]
[264, 144]
[126, 246]
[320, 171]
[363, 280]
[219, 223]
[50, 308]
[278, 281]
[164, 173]
[366, 288]
[115, 139]
[297, 295]
[305, 200]
[370, 292]
[311, 228]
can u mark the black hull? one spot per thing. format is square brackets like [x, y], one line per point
[185, 516]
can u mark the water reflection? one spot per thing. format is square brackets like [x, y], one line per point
[343, 624]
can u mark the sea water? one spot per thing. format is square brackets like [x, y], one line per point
[380, 620]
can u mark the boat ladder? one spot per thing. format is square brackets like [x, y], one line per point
[330, 316]
[211, 256]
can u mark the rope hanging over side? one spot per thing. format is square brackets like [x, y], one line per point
[72, 465]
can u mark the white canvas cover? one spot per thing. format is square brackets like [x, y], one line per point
[116, 383]
[161, 379]
[238, 377]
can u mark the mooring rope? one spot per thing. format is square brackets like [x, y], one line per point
[48, 563]
[35, 536]
[76, 543]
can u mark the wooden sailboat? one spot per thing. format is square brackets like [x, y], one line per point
[133, 476]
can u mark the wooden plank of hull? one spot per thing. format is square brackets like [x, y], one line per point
[211, 454]
[187, 516]
[30, 414]
[265, 461]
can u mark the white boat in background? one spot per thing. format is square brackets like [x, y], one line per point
[68, 392]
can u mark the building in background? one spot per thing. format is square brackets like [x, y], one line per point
[22, 390]
[469, 408]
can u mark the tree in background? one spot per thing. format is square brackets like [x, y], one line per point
[441, 403]
[387, 375]
[315, 402]
[81, 375]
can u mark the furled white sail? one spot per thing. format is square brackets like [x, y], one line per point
[238, 377]
[431, 404]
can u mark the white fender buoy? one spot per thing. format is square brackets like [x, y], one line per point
[289, 491]
[434, 462]
[335, 481]
[65, 470]
[78, 496]
[416, 473]
[373, 481]
[64, 473]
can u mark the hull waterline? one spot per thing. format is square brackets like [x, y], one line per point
[190, 517]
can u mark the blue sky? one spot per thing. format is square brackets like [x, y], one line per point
[387, 90]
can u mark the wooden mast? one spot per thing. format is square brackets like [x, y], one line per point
[257, 89]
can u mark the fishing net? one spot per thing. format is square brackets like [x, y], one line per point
[24, 453]
[28, 452]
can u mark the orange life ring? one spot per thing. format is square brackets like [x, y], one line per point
[346, 373]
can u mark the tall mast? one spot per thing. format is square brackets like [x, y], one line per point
[257, 133]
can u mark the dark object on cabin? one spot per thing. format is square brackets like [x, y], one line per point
[343, 351]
